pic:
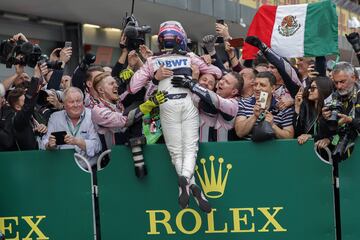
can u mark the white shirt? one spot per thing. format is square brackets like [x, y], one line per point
[59, 121]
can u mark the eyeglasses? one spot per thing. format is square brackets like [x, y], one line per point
[312, 88]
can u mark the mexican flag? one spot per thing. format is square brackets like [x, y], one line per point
[296, 30]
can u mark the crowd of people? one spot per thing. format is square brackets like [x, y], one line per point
[179, 98]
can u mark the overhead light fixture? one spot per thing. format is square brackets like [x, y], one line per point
[50, 22]
[242, 23]
[15, 17]
[109, 29]
[91, 25]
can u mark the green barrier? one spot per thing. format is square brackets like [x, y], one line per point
[44, 195]
[275, 190]
[349, 174]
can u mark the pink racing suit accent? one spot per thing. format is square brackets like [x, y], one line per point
[143, 77]
[220, 123]
[179, 117]
[108, 120]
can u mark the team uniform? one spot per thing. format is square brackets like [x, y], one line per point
[179, 116]
[217, 117]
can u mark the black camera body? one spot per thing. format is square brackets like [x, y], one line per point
[10, 50]
[135, 34]
[87, 61]
[55, 65]
[43, 108]
[336, 107]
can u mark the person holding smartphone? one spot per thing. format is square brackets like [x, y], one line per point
[251, 111]
[308, 105]
[63, 55]
[72, 127]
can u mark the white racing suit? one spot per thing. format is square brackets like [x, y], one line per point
[179, 117]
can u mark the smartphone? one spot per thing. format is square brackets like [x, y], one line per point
[67, 44]
[263, 99]
[236, 42]
[60, 137]
[220, 21]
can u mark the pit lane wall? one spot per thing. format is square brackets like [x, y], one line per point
[275, 190]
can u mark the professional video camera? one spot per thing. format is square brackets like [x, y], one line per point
[135, 34]
[10, 49]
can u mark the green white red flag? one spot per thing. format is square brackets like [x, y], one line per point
[296, 30]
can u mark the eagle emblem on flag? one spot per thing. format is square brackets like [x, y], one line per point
[289, 26]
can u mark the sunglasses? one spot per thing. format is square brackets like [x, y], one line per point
[312, 88]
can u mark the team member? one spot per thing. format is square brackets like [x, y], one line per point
[179, 117]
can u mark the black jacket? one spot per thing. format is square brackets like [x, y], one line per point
[7, 140]
[351, 107]
[23, 126]
[305, 121]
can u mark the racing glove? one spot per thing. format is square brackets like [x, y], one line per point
[154, 101]
[183, 82]
[256, 42]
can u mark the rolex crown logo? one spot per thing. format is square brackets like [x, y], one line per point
[213, 186]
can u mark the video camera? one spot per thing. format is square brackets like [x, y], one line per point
[10, 49]
[135, 34]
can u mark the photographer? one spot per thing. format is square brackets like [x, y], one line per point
[58, 58]
[17, 79]
[6, 135]
[341, 115]
[25, 127]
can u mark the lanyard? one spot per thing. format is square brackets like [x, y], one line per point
[75, 130]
